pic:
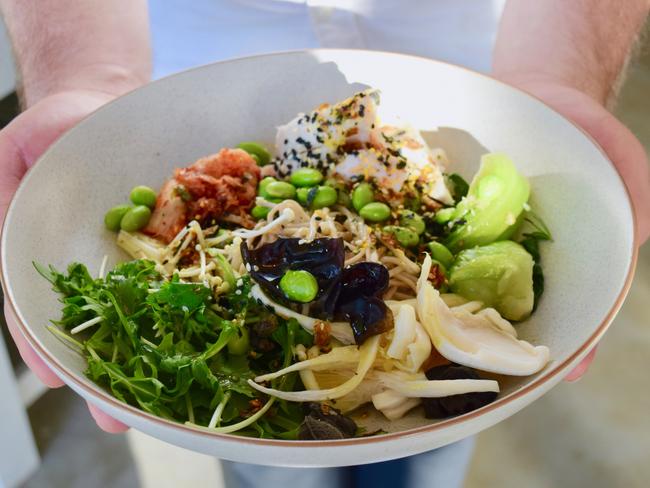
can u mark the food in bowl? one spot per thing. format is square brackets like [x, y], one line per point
[275, 295]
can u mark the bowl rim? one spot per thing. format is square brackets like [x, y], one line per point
[94, 391]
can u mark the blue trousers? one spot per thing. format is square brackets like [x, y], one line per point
[444, 467]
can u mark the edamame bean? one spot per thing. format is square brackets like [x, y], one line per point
[325, 196]
[299, 286]
[306, 195]
[405, 236]
[306, 177]
[265, 194]
[281, 189]
[440, 253]
[136, 218]
[374, 211]
[444, 215]
[413, 221]
[261, 188]
[239, 343]
[362, 195]
[143, 195]
[256, 149]
[259, 212]
[114, 216]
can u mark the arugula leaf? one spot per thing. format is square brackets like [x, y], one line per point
[161, 344]
[186, 298]
[77, 281]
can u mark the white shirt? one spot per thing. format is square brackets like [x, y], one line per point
[187, 33]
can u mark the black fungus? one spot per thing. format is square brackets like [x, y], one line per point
[436, 408]
[368, 316]
[323, 258]
[323, 422]
[352, 294]
[360, 303]
[363, 280]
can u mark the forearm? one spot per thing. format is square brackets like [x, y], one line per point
[98, 45]
[584, 44]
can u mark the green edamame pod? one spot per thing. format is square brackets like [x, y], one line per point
[374, 211]
[362, 195]
[325, 196]
[114, 216]
[281, 189]
[299, 286]
[305, 177]
[263, 156]
[413, 221]
[405, 236]
[440, 253]
[259, 212]
[136, 218]
[143, 195]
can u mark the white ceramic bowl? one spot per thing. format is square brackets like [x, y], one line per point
[56, 215]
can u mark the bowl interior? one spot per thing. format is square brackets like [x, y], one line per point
[56, 217]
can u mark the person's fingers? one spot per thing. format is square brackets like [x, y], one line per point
[28, 136]
[621, 146]
[105, 422]
[629, 157]
[582, 367]
[21, 143]
[32, 360]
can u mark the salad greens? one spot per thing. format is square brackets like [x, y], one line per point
[165, 346]
[500, 275]
[494, 201]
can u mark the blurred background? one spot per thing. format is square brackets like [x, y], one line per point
[593, 433]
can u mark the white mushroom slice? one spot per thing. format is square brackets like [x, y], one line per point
[474, 340]
[411, 345]
[393, 405]
[403, 332]
[339, 330]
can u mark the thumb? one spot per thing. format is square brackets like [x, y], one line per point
[27, 137]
